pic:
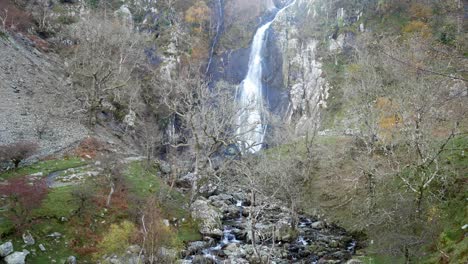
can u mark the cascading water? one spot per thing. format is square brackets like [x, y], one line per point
[251, 128]
[219, 26]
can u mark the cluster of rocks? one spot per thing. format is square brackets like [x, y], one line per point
[72, 176]
[227, 230]
[10, 256]
[131, 256]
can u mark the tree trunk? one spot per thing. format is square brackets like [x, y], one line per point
[110, 194]
[252, 225]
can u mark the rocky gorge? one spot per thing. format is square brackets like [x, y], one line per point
[237, 231]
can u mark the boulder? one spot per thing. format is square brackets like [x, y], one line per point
[55, 235]
[186, 181]
[209, 216]
[6, 249]
[71, 260]
[203, 260]
[318, 225]
[135, 249]
[28, 239]
[196, 247]
[354, 261]
[231, 250]
[42, 248]
[17, 257]
[164, 167]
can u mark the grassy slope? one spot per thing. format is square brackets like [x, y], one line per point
[145, 182]
[46, 167]
[60, 203]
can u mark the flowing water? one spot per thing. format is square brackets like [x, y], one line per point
[217, 34]
[251, 127]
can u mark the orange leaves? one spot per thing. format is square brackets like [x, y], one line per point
[389, 118]
[198, 14]
[418, 27]
[88, 148]
[420, 14]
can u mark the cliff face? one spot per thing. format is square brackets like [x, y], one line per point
[302, 72]
[295, 84]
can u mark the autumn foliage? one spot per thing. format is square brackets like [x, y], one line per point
[88, 148]
[198, 14]
[23, 195]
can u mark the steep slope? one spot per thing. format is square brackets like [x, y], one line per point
[36, 99]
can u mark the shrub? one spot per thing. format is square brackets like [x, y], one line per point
[23, 195]
[118, 239]
[156, 234]
[418, 27]
[17, 152]
[88, 148]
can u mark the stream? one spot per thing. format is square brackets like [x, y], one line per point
[315, 240]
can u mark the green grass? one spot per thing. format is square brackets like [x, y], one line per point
[380, 259]
[144, 182]
[55, 249]
[46, 167]
[59, 202]
[5, 226]
[188, 231]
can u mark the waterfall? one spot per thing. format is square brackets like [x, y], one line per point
[219, 25]
[251, 128]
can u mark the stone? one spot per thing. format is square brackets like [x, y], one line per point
[222, 197]
[71, 260]
[28, 239]
[202, 260]
[354, 261]
[209, 216]
[135, 249]
[42, 248]
[165, 167]
[124, 13]
[196, 247]
[186, 181]
[17, 257]
[130, 118]
[55, 235]
[231, 249]
[318, 225]
[6, 249]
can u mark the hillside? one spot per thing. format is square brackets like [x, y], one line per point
[233, 131]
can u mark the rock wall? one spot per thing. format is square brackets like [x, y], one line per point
[302, 72]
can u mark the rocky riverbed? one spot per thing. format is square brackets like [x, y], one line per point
[226, 225]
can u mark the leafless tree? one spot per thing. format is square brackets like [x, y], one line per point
[207, 117]
[104, 62]
[17, 152]
[406, 121]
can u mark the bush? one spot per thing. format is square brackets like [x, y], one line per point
[17, 152]
[118, 239]
[23, 195]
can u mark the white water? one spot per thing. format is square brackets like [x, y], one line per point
[216, 38]
[251, 128]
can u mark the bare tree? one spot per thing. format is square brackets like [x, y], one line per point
[207, 126]
[104, 62]
[18, 151]
[407, 119]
